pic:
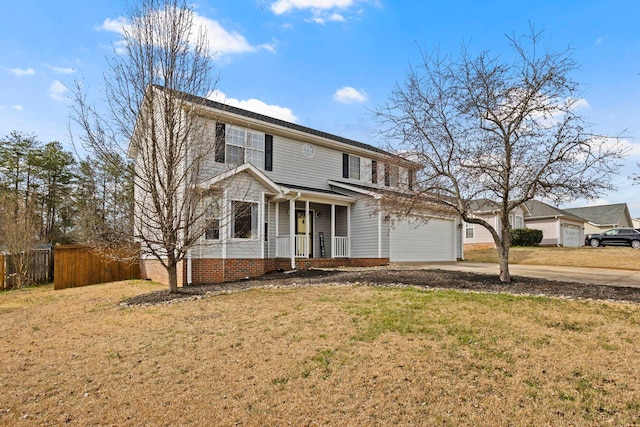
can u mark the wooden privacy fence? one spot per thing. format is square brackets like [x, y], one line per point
[77, 265]
[38, 271]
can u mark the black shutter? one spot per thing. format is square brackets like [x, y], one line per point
[387, 175]
[374, 172]
[268, 152]
[411, 173]
[220, 142]
[345, 165]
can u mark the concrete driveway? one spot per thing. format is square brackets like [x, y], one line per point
[596, 276]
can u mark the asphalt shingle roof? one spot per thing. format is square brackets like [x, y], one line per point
[538, 209]
[602, 214]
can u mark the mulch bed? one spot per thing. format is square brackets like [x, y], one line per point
[428, 279]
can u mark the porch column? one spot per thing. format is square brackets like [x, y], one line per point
[261, 227]
[306, 222]
[292, 232]
[277, 226]
[333, 230]
[379, 231]
[349, 231]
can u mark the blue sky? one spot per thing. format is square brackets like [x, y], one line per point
[324, 63]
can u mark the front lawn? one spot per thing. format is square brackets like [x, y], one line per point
[321, 355]
[609, 257]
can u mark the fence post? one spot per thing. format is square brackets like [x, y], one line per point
[2, 273]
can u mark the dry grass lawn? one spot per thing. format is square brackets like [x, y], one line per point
[322, 355]
[608, 257]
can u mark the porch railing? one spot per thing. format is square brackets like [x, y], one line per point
[341, 247]
[283, 247]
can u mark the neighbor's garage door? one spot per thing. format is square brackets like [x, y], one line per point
[431, 241]
[571, 236]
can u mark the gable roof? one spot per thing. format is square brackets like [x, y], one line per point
[538, 209]
[604, 215]
[198, 100]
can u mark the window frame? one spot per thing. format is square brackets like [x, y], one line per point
[469, 226]
[253, 222]
[212, 215]
[245, 145]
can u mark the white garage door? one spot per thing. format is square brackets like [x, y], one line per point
[571, 236]
[431, 241]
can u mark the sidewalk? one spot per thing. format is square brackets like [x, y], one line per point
[596, 276]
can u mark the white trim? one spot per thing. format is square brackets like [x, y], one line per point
[292, 233]
[261, 224]
[246, 167]
[333, 230]
[224, 228]
[379, 232]
[307, 226]
[349, 231]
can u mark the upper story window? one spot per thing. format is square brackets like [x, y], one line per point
[360, 168]
[391, 175]
[236, 145]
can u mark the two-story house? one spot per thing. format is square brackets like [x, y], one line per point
[295, 197]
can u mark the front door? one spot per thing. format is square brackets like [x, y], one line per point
[301, 227]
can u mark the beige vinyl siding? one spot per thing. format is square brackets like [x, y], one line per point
[549, 228]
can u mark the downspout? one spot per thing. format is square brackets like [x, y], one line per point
[189, 281]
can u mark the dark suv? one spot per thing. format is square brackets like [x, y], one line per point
[614, 237]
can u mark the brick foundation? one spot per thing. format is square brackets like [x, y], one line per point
[214, 270]
[152, 269]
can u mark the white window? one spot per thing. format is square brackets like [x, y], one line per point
[244, 146]
[391, 175]
[354, 167]
[519, 221]
[244, 223]
[212, 217]
[468, 230]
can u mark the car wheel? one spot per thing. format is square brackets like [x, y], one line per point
[594, 243]
[635, 244]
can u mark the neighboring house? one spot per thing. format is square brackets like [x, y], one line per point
[301, 198]
[477, 236]
[603, 217]
[636, 222]
[559, 227]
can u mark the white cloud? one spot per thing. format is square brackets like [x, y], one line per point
[256, 106]
[323, 11]
[21, 71]
[220, 40]
[17, 107]
[61, 70]
[349, 95]
[58, 91]
[282, 6]
[115, 25]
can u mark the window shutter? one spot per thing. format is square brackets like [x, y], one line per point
[268, 152]
[345, 165]
[411, 173]
[220, 142]
[374, 172]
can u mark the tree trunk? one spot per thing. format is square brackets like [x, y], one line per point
[503, 256]
[172, 271]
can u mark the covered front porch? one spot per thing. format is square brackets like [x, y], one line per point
[308, 228]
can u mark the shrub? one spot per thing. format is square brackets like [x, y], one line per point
[526, 237]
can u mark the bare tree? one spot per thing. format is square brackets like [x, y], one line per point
[483, 127]
[19, 227]
[150, 119]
